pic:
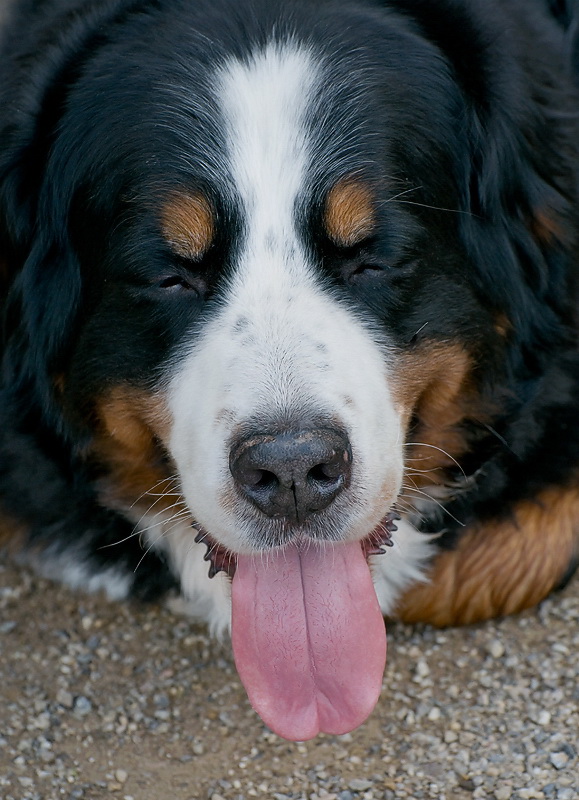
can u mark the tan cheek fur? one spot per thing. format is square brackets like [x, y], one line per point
[433, 389]
[132, 427]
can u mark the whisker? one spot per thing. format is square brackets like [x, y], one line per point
[140, 531]
[154, 503]
[436, 502]
[159, 537]
[414, 471]
[439, 208]
[184, 512]
[404, 507]
[162, 494]
[177, 522]
[171, 479]
[440, 450]
[134, 532]
[147, 551]
[501, 439]
[401, 194]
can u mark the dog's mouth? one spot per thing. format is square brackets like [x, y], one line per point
[308, 635]
[221, 559]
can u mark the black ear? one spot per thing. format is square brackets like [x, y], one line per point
[40, 63]
[39, 274]
[44, 51]
[516, 169]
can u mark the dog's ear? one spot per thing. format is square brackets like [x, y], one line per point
[39, 276]
[41, 304]
[519, 225]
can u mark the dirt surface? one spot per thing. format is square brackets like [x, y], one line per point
[99, 700]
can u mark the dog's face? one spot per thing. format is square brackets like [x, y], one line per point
[260, 291]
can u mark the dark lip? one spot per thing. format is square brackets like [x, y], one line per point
[223, 560]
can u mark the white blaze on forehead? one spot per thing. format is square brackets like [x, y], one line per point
[265, 102]
[280, 346]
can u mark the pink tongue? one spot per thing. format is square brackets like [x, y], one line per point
[308, 638]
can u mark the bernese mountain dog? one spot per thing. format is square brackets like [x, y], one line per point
[290, 314]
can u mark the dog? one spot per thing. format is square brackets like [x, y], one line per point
[290, 314]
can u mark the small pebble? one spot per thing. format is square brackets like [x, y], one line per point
[559, 760]
[64, 698]
[82, 705]
[360, 785]
[496, 648]
[422, 668]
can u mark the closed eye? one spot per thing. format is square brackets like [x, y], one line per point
[363, 271]
[366, 268]
[175, 283]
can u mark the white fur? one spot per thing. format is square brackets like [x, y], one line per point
[208, 599]
[401, 565]
[77, 572]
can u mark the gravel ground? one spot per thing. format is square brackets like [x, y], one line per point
[99, 700]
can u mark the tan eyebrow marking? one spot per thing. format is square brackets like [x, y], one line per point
[350, 215]
[187, 222]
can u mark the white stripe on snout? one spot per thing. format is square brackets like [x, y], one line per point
[280, 344]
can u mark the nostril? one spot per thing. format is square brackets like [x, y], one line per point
[335, 468]
[263, 479]
[325, 473]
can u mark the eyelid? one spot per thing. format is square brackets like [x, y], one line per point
[174, 280]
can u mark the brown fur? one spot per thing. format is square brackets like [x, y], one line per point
[11, 533]
[503, 326]
[546, 229]
[188, 225]
[349, 215]
[133, 425]
[435, 393]
[502, 567]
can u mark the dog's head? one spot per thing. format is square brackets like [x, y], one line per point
[255, 260]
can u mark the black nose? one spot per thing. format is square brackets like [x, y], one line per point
[292, 475]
